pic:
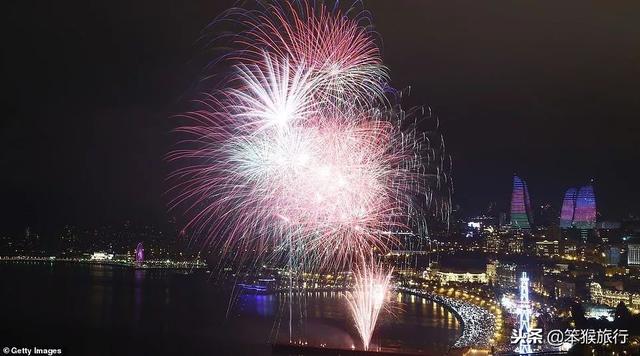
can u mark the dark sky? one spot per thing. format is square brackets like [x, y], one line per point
[546, 89]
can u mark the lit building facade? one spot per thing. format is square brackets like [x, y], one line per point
[584, 217]
[101, 256]
[521, 217]
[516, 243]
[579, 210]
[454, 276]
[568, 208]
[564, 289]
[502, 274]
[467, 277]
[611, 298]
[548, 248]
[492, 271]
[633, 254]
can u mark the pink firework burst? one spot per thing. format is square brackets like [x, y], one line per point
[339, 50]
[276, 166]
[297, 148]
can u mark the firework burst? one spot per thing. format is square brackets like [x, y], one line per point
[338, 47]
[302, 151]
[367, 299]
[298, 149]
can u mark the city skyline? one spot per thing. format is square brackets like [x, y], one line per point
[269, 177]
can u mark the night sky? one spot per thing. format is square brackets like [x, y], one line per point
[548, 90]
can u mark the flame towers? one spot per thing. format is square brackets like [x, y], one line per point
[521, 217]
[584, 217]
[568, 208]
[579, 208]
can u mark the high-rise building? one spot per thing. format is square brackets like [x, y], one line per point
[584, 217]
[506, 276]
[527, 203]
[568, 208]
[492, 271]
[633, 254]
[521, 217]
[494, 242]
[579, 210]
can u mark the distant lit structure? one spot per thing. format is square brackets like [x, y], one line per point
[492, 272]
[564, 289]
[612, 256]
[609, 225]
[633, 254]
[599, 311]
[524, 315]
[584, 217]
[516, 243]
[451, 276]
[494, 242]
[502, 274]
[568, 208]
[521, 217]
[579, 209]
[101, 256]
[139, 253]
[548, 249]
[446, 277]
[611, 297]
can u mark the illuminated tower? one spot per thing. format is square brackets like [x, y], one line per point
[520, 205]
[584, 217]
[139, 253]
[568, 208]
[524, 315]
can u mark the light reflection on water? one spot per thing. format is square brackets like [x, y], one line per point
[89, 309]
[408, 322]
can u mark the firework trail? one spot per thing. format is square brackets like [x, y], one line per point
[340, 51]
[303, 152]
[302, 147]
[298, 150]
[367, 299]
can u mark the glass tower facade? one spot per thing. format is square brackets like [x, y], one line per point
[520, 205]
[568, 208]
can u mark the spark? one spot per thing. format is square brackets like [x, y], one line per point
[367, 299]
[341, 51]
[298, 150]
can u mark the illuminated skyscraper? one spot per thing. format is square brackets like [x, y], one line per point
[568, 208]
[579, 210]
[584, 217]
[520, 205]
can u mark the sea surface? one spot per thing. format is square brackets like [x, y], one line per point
[108, 310]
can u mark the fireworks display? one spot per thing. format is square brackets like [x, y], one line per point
[366, 300]
[304, 151]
